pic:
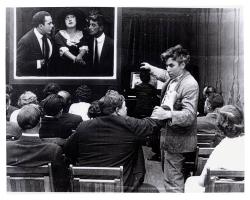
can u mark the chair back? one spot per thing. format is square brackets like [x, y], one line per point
[222, 180]
[203, 155]
[96, 179]
[30, 179]
[205, 140]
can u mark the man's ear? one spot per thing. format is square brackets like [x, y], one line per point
[117, 110]
[182, 65]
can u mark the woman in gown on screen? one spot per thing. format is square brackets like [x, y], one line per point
[70, 45]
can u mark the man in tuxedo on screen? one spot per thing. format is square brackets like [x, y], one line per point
[101, 47]
[34, 49]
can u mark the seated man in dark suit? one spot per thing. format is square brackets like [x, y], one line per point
[51, 127]
[34, 49]
[30, 151]
[66, 118]
[112, 140]
[207, 124]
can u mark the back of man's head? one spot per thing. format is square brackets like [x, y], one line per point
[145, 75]
[28, 116]
[39, 18]
[66, 97]
[110, 102]
[52, 105]
[216, 101]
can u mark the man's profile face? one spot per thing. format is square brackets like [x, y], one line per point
[47, 26]
[95, 29]
[174, 68]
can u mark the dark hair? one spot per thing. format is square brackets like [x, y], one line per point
[230, 121]
[52, 104]
[208, 90]
[216, 101]
[178, 53]
[9, 89]
[110, 102]
[7, 99]
[28, 116]
[96, 16]
[83, 93]
[94, 110]
[71, 11]
[39, 18]
[51, 88]
[145, 75]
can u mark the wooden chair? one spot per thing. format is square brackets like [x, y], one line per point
[30, 179]
[96, 179]
[222, 180]
[205, 140]
[190, 163]
[203, 155]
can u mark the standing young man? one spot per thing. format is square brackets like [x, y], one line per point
[179, 135]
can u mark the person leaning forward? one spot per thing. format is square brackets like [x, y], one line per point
[34, 49]
[179, 134]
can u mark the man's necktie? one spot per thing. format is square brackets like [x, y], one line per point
[45, 48]
[96, 59]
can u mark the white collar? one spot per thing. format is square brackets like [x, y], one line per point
[101, 38]
[38, 35]
[77, 37]
[30, 134]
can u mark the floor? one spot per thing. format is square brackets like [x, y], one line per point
[154, 175]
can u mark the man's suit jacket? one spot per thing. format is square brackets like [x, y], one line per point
[106, 62]
[111, 141]
[70, 120]
[32, 152]
[52, 127]
[28, 52]
[179, 134]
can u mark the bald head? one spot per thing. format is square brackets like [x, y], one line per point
[66, 98]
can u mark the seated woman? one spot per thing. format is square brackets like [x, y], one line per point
[70, 46]
[230, 122]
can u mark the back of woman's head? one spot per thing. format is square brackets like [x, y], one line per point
[94, 110]
[83, 93]
[230, 121]
[51, 88]
[26, 98]
[110, 102]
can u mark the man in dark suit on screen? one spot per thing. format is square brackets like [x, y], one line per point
[101, 47]
[34, 49]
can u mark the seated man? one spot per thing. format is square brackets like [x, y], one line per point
[51, 127]
[112, 140]
[66, 118]
[30, 151]
[207, 124]
[230, 122]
